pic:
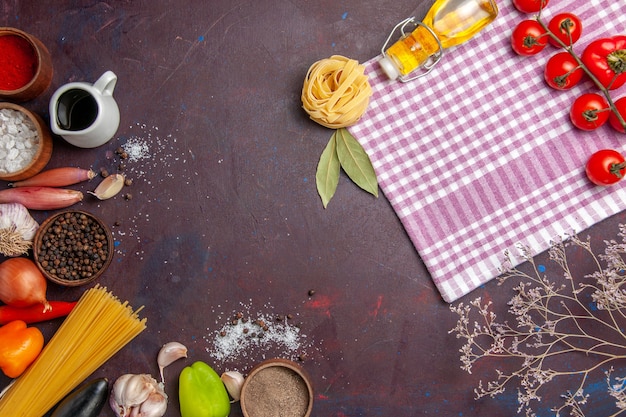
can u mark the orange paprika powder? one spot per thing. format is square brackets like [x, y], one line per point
[18, 62]
[19, 347]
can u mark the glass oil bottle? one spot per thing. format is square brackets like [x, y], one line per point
[448, 23]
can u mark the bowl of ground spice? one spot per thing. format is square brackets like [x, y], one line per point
[25, 65]
[25, 143]
[277, 387]
[73, 248]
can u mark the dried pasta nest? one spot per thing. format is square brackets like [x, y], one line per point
[336, 92]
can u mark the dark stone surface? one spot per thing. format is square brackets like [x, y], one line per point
[224, 214]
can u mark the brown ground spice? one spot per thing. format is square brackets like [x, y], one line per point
[276, 392]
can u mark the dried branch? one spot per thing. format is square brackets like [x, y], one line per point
[553, 321]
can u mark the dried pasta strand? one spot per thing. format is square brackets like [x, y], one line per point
[97, 328]
[336, 92]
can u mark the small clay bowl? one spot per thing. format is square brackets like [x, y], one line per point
[43, 72]
[43, 153]
[48, 243]
[277, 387]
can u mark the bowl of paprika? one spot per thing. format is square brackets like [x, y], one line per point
[25, 142]
[25, 65]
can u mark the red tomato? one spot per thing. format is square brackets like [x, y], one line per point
[589, 111]
[528, 38]
[530, 6]
[605, 167]
[562, 72]
[606, 59]
[567, 27]
[620, 105]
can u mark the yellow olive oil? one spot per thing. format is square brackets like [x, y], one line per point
[452, 21]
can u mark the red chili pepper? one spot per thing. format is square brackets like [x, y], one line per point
[606, 59]
[35, 313]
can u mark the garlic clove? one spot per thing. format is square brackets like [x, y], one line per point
[154, 406]
[233, 381]
[109, 187]
[169, 353]
[116, 399]
[137, 389]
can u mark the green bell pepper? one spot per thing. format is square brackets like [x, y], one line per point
[202, 393]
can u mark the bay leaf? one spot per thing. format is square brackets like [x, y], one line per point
[355, 161]
[327, 175]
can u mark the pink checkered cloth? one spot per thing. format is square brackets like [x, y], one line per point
[480, 155]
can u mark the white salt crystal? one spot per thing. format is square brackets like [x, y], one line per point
[14, 166]
[19, 141]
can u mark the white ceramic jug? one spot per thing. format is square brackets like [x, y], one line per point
[86, 115]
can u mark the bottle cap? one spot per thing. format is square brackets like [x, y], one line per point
[389, 67]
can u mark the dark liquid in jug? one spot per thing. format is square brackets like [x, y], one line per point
[76, 110]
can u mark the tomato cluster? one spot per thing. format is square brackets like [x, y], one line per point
[603, 61]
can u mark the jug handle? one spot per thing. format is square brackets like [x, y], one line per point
[106, 83]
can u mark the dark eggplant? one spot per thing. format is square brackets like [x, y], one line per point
[86, 401]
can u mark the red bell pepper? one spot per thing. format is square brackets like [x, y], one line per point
[606, 60]
[35, 313]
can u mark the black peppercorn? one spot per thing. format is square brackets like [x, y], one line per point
[74, 246]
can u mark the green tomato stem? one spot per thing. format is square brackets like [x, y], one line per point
[616, 169]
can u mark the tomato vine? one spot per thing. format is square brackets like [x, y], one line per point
[603, 60]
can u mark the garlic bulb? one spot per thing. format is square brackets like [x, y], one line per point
[138, 395]
[17, 229]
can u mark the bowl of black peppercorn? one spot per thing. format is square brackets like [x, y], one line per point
[73, 248]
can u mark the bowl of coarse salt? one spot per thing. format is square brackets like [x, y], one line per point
[25, 143]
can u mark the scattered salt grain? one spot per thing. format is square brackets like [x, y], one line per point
[19, 141]
[235, 340]
[249, 337]
[136, 149]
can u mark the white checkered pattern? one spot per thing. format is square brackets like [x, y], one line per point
[479, 155]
